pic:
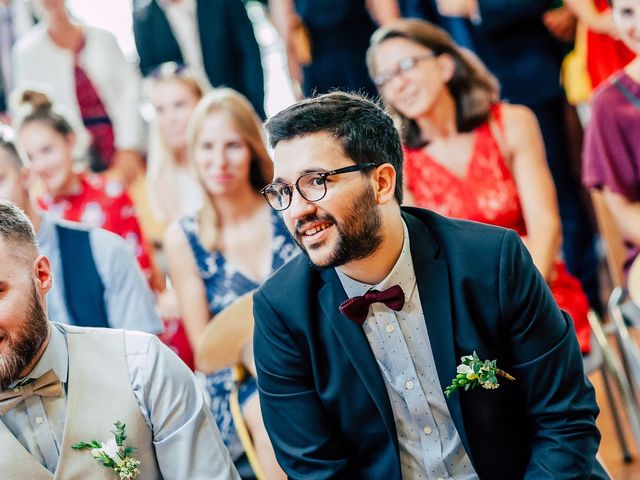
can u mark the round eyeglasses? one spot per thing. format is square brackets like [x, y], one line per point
[405, 65]
[312, 186]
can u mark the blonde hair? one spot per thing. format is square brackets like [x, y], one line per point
[248, 124]
[473, 87]
[162, 170]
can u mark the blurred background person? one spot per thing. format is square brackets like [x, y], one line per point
[172, 185]
[83, 69]
[48, 140]
[612, 139]
[16, 18]
[233, 243]
[97, 281]
[606, 52]
[212, 36]
[466, 154]
[511, 39]
[326, 41]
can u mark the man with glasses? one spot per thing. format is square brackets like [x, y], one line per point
[356, 343]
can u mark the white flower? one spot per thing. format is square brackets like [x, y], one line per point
[112, 450]
[465, 369]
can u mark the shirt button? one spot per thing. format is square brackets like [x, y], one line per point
[389, 327]
[39, 420]
[409, 385]
[427, 430]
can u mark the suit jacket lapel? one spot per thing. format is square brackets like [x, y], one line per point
[432, 278]
[355, 343]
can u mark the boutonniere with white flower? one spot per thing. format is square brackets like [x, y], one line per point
[114, 453]
[473, 372]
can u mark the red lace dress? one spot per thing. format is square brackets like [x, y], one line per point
[488, 194]
[101, 203]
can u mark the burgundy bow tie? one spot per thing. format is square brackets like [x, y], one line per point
[357, 308]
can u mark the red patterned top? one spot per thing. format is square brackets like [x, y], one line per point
[101, 203]
[488, 193]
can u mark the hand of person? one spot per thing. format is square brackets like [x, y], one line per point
[458, 8]
[126, 166]
[561, 23]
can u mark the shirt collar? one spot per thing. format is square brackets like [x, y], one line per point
[46, 233]
[55, 357]
[401, 274]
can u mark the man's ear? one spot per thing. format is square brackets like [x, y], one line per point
[43, 276]
[384, 177]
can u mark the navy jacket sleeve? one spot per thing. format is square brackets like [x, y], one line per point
[546, 361]
[297, 423]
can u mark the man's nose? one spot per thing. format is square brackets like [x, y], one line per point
[300, 207]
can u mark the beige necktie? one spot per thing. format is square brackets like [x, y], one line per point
[48, 385]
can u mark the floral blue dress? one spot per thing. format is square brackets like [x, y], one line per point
[224, 284]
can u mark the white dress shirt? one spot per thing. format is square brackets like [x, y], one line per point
[128, 300]
[430, 446]
[187, 446]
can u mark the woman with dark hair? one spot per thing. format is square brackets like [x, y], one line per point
[49, 140]
[233, 243]
[466, 154]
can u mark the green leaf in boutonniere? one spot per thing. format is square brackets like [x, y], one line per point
[473, 372]
[114, 453]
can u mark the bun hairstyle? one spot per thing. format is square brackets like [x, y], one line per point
[36, 106]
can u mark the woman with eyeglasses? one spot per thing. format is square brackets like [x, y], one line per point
[233, 243]
[467, 155]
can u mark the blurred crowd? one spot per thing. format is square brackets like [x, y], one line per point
[159, 224]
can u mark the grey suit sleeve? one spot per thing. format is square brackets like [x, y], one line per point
[186, 439]
[546, 361]
[128, 298]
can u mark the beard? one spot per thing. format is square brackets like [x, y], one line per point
[359, 233]
[24, 344]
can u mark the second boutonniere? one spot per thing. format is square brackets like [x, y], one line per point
[114, 453]
[473, 372]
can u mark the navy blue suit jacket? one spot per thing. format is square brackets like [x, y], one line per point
[229, 48]
[323, 398]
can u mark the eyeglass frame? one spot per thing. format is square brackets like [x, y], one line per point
[382, 79]
[351, 168]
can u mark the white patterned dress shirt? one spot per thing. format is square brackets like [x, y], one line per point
[430, 446]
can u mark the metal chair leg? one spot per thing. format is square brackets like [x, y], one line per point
[612, 365]
[624, 447]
